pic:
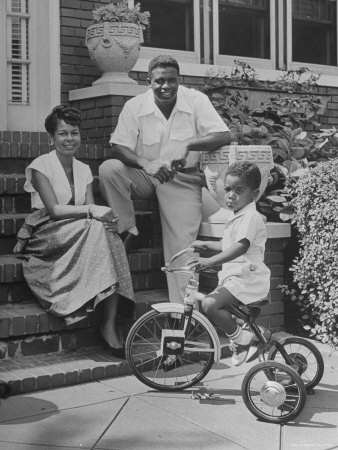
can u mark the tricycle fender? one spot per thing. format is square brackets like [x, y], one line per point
[179, 308]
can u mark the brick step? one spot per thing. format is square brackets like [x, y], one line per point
[142, 260]
[11, 223]
[12, 204]
[14, 200]
[144, 265]
[17, 154]
[13, 184]
[66, 366]
[21, 204]
[26, 329]
[146, 220]
[7, 244]
[21, 148]
[17, 164]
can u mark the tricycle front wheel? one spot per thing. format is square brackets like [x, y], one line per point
[159, 370]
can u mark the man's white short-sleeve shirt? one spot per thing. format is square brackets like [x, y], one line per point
[143, 128]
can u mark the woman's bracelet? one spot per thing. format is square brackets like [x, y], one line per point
[89, 213]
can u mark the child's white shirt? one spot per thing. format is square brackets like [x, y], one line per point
[246, 277]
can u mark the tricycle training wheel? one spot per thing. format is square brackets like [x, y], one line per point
[273, 392]
[307, 359]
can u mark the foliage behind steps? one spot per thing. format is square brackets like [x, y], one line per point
[315, 270]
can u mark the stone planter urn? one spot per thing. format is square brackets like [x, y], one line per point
[215, 165]
[114, 47]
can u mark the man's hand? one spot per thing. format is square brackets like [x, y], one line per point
[179, 156]
[158, 170]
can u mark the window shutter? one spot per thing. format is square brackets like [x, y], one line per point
[18, 51]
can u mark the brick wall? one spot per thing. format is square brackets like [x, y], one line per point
[330, 117]
[99, 117]
[78, 71]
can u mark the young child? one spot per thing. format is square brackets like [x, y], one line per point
[244, 277]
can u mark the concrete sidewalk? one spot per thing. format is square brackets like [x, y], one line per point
[122, 413]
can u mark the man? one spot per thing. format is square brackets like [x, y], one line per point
[156, 150]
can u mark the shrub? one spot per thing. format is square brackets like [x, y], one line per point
[314, 199]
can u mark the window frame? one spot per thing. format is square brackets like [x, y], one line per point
[228, 60]
[294, 65]
[181, 55]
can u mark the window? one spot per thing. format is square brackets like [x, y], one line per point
[171, 24]
[18, 50]
[244, 28]
[267, 34]
[314, 31]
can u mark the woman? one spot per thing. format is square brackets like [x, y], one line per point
[73, 258]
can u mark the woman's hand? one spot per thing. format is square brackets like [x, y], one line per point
[199, 264]
[199, 246]
[103, 213]
[111, 226]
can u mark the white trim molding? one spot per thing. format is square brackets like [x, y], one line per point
[274, 230]
[102, 90]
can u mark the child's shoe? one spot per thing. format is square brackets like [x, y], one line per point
[241, 345]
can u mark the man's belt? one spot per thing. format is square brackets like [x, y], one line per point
[193, 169]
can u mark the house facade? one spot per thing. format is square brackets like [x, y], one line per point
[44, 62]
[43, 56]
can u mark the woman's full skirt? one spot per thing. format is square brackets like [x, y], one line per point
[68, 263]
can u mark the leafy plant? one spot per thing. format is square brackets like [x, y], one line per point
[120, 12]
[314, 199]
[280, 121]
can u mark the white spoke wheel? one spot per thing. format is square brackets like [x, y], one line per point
[273, 392]
[306, 359]
[150, 365]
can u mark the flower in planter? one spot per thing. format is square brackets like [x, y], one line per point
[120, 12]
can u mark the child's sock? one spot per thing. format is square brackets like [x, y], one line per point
[241, 336]
[242, 340]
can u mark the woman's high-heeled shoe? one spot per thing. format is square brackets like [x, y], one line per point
[117, 352]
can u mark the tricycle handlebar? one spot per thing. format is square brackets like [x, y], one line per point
[182, 269]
